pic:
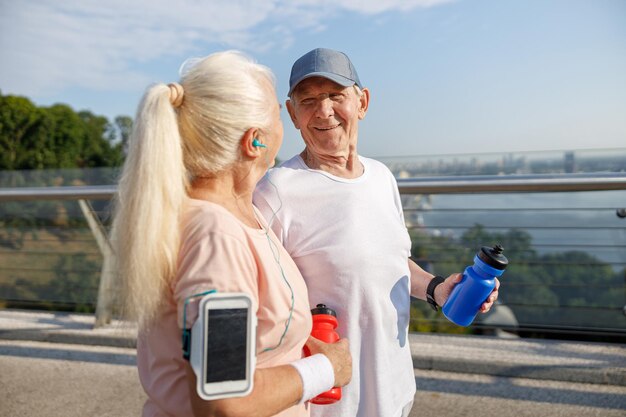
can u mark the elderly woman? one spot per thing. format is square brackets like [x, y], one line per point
[185, 224]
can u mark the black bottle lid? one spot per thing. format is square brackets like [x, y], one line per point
[493, 257]
[322, 309]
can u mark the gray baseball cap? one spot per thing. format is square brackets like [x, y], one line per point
[327, 63]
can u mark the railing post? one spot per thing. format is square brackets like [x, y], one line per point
[108, 274]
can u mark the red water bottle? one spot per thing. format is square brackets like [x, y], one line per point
[324, 325]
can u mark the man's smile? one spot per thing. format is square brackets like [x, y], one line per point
[327, 127]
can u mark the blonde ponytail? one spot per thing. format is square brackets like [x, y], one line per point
[151, 193]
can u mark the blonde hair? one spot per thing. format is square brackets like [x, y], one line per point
[181, 131]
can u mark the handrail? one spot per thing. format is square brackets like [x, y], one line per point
[513, 183]
[86, 192]
[426, 185]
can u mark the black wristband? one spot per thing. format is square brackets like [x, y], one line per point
[430, 291]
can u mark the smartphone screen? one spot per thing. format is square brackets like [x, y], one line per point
[222, 353]
[226, 345]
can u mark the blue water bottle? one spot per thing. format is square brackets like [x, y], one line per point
[478, 282]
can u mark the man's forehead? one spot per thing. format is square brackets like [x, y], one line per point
[313, 84]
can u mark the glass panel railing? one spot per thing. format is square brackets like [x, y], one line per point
[567, 250]
[567, 253]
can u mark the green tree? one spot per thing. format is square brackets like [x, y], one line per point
[20, 130]
[34, 137]
[100, 149]
[124, 125]
[66, 137]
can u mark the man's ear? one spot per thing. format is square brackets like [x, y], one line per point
[292, 113]
[364, 102]
[247, 147]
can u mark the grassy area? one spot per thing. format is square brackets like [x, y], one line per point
[49, 268]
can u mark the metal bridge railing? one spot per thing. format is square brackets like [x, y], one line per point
[564, 235]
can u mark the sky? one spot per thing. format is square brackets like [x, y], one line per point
[446, 77]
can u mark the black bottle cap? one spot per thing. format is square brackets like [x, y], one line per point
[493, 257]
[322, 309]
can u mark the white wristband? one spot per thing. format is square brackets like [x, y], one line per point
[317, 375]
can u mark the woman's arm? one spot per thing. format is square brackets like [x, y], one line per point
[275, 389]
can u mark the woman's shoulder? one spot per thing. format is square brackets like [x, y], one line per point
[202, 218]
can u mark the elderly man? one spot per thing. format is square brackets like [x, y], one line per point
[339, 216]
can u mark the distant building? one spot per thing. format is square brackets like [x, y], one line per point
[569, 163]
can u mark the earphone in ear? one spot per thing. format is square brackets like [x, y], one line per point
[256, 142]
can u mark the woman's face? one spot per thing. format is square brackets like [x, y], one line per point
[273, 137]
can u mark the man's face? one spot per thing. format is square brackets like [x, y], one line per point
[327, 115]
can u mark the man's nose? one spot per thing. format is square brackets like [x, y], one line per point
[324, 108]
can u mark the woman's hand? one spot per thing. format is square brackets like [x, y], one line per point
[339, 355]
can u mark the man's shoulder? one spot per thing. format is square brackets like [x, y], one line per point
[375, 165]
[279, 178]
[295, 162]
[285, 171]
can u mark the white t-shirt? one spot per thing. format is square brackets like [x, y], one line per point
[349, 240]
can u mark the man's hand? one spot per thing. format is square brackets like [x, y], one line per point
[443, 290]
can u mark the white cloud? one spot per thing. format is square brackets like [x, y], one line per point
[48, 45]
[363, 6]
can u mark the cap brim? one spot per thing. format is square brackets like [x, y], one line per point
[343, 81]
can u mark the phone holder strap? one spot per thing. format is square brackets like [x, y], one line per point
[186, 340]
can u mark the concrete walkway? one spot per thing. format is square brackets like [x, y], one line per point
[55, 364]
[596, 363]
